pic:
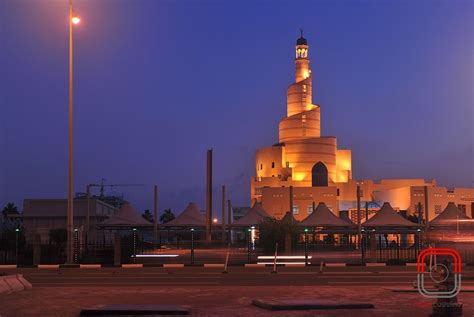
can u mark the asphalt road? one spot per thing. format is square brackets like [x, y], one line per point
[236, 276]
[209, 292]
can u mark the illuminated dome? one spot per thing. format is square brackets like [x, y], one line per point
[301, 41]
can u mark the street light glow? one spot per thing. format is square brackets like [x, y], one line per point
[75, 20]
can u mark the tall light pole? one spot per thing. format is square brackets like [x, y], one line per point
[70, 199]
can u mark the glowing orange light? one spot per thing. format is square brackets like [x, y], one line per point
[75, 20]
[299, 176]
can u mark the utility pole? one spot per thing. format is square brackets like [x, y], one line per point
[223, 213]
[359, 223]
[88, 215]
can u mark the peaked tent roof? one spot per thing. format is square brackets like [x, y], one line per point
[323, 217]
[387, 217]
[253, 217]
[126, 216]
[188, 218]
[451, 212]
[346, 218]
[288, 217]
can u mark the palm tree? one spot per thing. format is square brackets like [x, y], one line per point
[167, 216]
[147, 215]
[9, 209]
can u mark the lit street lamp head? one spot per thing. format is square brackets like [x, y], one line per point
[75, 20]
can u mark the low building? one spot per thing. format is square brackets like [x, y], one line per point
[42, 215]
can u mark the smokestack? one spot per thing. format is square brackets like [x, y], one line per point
[209, 196]
[229, 219]
[155, 214]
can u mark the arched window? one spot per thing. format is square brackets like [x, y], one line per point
[319, 175]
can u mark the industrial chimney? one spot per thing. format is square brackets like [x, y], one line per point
[209, 196]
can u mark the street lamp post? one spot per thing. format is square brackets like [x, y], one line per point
[76, 245]
[17, 231]
[70, 199]
[192, 246]
[306, 246]
[134, 232]
[248, 246]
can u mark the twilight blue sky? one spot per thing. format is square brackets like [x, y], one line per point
[159, 82]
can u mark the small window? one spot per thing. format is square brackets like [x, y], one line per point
[261, 166]
[296, 210]
[273, 164]
[437, 209]
[338, 192]
[310, 209]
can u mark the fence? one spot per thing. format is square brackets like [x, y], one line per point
[188, 248]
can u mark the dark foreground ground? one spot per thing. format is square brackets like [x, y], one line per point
[208, 292]
[217, 301]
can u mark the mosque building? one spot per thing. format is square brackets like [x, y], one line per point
[313, 169]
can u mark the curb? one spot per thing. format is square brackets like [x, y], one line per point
[23, 281]
[4, 287]
[205, 265]
[375, 264]
[173, 266]
[8, 266]
[13, 283]
[48, 266]
[214, 265]
[132, 266]
[90, 266]
[335, 264]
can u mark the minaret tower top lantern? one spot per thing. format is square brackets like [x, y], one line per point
[301, 60]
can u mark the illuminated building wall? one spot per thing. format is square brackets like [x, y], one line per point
[301, 146]
[297, 158]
